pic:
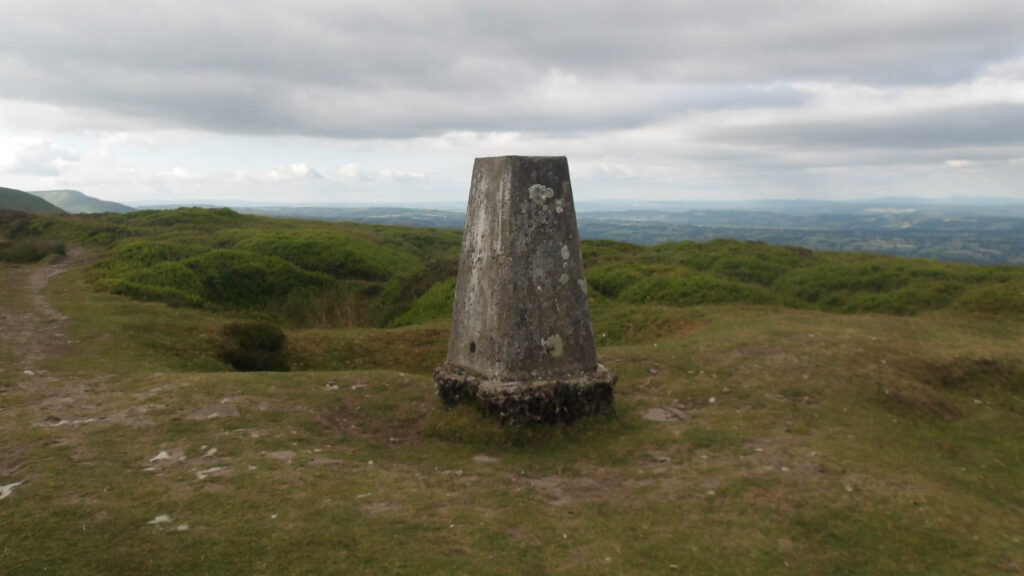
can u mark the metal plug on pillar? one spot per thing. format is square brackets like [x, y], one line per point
[522, 345]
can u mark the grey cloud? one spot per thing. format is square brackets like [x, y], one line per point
[400, 68]
[962, 127]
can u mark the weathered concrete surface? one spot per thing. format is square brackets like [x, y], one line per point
[521, 344]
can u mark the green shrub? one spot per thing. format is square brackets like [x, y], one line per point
[333, 253]
[687, 289]
[760, 263]
[173, 275]
[435, 303]
[865, 282]
[597, 252]
[403, 289]
[28, 250]
[902, 302]
[245, 280]
[149, 252]
[612, 279]
[150, 293]
[1003, 298]
[342, 304]
[254, 347]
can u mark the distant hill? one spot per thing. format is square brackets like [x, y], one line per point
[11, 199]
[75, 202]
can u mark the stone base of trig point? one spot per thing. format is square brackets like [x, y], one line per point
[516, 402]
[521, 346]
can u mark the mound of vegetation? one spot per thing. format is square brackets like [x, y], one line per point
[320, 274]
[306, 273]
[725, 271]
[18, 245]
[254, 347]
[31, 250]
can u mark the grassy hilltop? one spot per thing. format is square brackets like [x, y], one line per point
[779, 411]
[75, 202]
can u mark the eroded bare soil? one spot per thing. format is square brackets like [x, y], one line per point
[32, 328]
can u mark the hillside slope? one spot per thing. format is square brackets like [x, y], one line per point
[11, 199]
[327, 274]
[747, 439]
[75, 202]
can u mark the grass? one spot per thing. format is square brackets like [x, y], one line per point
[804, 442]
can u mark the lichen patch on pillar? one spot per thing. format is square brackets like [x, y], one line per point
[552, 345]
[539, 192]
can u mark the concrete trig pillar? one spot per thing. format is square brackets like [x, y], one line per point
[521, 343]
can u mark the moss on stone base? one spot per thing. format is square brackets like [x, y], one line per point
[520, 402]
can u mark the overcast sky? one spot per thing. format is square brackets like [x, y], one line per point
[326, 101]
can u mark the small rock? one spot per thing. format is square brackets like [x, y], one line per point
[712, 400]
[281, 455]
[223, 410]
[210, 452]
[163, 455]
[161, 519]
[204, 474]
[181, 528]
[8, 489]
[664, 414]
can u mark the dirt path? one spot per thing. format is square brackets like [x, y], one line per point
[30, 327]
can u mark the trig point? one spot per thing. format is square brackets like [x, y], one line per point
[522, 347]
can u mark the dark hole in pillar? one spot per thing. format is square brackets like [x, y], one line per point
[472, 347]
